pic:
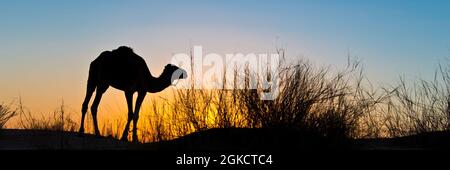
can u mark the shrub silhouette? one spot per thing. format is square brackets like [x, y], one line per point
[6, 113]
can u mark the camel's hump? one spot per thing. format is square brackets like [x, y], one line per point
[123, 52]
[123, 49]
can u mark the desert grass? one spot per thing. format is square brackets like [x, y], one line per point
[60, 120]
[6, 113]
[420, 107]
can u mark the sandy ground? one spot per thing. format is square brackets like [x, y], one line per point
[217, 139]
[49, 140]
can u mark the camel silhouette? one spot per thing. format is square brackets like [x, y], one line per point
[124, 70]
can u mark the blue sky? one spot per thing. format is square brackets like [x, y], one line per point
[47, 45]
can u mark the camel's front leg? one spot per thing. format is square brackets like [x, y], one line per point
[139, 100]
[129, 97]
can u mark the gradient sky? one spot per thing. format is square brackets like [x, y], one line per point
[46, 45]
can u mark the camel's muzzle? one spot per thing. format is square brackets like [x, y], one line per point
[183, 74]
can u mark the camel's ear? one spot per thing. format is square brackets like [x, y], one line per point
[169, 65]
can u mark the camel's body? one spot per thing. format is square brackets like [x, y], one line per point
[126, 71]
[123, 72]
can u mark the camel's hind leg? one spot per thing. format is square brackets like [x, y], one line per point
[89, 92]
[91, 85]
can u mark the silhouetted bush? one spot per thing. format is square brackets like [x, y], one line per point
[6, 113]
[419, 107]
[312, 99]
[59, 121]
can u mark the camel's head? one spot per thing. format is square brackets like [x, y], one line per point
[175, 72]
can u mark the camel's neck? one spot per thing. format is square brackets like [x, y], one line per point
[157, 84]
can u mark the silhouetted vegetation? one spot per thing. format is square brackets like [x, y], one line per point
[59, 121]
[420, 107]
[6, 113]
[335, 104]
[311, 99]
